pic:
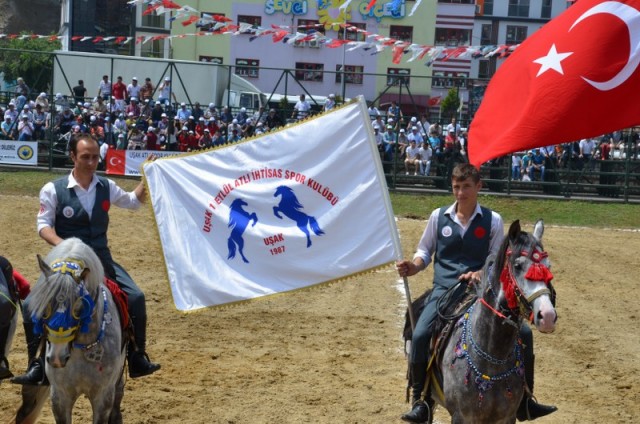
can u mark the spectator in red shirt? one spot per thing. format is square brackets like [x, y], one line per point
[119, 92]
[152, 139]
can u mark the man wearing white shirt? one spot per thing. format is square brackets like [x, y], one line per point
[78, 205]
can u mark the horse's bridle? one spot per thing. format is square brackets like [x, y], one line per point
[516, 298]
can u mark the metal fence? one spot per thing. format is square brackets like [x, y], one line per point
[610, 180]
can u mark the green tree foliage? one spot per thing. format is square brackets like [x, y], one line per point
[450, 104]
[28, 58]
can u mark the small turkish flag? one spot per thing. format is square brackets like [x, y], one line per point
[116, 161]
[572, 79]
[434, 101]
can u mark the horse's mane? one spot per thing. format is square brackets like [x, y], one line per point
[47, 291]
[289, 197]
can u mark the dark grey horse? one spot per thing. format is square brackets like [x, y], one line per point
[481, 370]
[85, 352]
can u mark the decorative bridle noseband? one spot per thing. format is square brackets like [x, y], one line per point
[63, 324]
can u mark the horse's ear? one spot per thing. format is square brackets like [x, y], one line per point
[538, 230]
[44, 267]
[514, 230]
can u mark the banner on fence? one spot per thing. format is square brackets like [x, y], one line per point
[128, 162]
[19, 152]
[291, 209]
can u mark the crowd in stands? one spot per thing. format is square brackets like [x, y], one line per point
[141, 116]
[133, 116]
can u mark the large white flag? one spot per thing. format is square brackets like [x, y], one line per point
[290, 209]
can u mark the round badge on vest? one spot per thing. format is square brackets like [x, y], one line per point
[67, 211]
[480, 232]
[447, 231]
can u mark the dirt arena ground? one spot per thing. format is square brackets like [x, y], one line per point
[334, 354]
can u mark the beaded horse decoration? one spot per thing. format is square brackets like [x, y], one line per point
[482, 366]
[85, 354]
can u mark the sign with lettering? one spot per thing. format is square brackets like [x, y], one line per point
[392, 9]
[288, 7]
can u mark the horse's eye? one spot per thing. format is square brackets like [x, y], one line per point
[517, 265]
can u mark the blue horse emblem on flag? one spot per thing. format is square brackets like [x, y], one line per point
[292, 209]
[239, 220]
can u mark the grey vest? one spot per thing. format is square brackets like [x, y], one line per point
[73, 221]
[455, 254]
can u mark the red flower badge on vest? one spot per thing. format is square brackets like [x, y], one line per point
[106, 205]
[480, 232]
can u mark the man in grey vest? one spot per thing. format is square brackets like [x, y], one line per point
[78, 205]
[460, 237]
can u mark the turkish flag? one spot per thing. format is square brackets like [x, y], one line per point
[434, 101]
[116, 161]
[574, 78]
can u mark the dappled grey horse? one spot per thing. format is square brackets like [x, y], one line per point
[85, 352]
[481, 369]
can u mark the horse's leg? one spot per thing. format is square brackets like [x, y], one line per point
[33, 399]
[254, 218]
[240, 243]
[232, 247]
[102, 405]
[116, 413]
[275, 212]
[303, 228]
[61, 405]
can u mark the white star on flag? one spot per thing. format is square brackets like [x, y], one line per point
[552, 61]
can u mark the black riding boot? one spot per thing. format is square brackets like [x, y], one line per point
[529, 409]
[35, 375]
[4, 363]
[420, 410]
[139, 363]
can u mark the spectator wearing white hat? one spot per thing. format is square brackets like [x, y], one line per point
[165, 92]
[415, 135]
[242, 116]
[211, 112]
[205, 141]
[25, 128]
[330, 103]
[43, 101]
[26, 110]
[156, 112]
[183, 114]
[151, 139]
[7, 128]
[133, 89]
[122, 142]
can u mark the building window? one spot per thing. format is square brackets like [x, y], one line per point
[249, 68]
[483, 69]
[519, 8]
[152, 48]
[153, 21]
[396, 76]
[401, 33]
[352, 74]
[353, 35]
[486, 37]
[450, 79]
[309, 71]
[309, 26]
[215, 60]
[516, 34]
[256, 21]
[452, 37]
[457, 1]
[546, 9]
[208, 17]
[487, 9]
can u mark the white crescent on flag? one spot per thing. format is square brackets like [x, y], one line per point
[298, 207]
